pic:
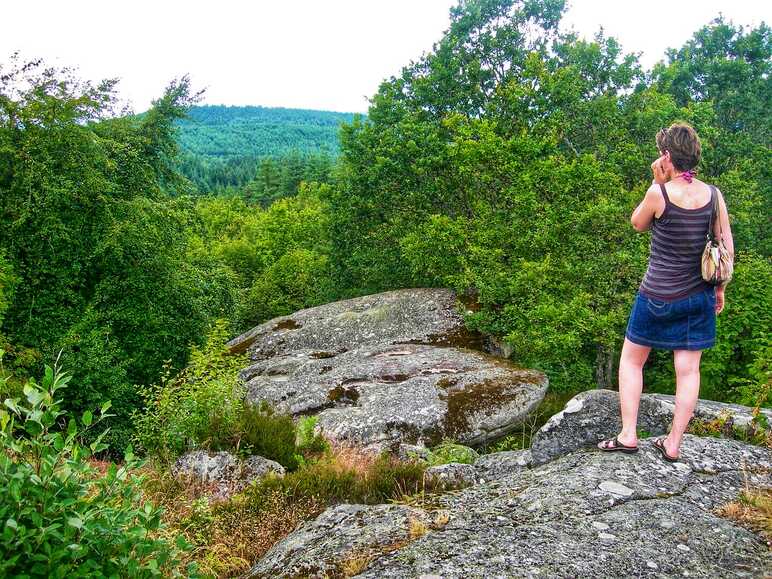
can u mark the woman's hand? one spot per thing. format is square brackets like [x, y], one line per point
[719, 299]
[660, 175]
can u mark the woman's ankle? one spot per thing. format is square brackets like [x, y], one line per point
[628, 437]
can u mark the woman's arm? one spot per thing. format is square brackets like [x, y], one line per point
[644, 214]
[722, 230]
[653, 202]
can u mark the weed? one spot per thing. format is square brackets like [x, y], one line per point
[448, 452]
[752, 509]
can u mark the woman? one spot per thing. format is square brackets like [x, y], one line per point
[674, 308]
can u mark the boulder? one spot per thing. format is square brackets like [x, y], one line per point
[414, 315]
[591, 416]
[222, 472]
[386, 394]
[586, 514]
[342, 541]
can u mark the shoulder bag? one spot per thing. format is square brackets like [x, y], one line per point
[717, 262]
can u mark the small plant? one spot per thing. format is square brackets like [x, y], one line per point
[752, 509]
[449, 451]
[755, 432]
[307, 441]
[263, 431]
[61, 517]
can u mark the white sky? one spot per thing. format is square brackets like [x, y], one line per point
[314, 54]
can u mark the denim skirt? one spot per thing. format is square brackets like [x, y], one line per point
[684, 324]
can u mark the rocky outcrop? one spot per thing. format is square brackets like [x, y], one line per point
[224, 473]
[415, 315]
[387, 394]
[591, 416]
[388, 369]
[342, 541]
[452, 475]
[586, 514]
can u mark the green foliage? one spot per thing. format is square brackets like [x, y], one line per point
[506, 162]
[449, 451]
[98, 249]
[7, 283]
[61, 518]
[756, 432]
[278, 257]
[201, 406]
[268, 150]
[308, 441]
[264, 432]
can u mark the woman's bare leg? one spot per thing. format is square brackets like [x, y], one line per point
[631, 363]
[687, 368]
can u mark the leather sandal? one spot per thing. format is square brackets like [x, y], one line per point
[616, 445]
[659, 444]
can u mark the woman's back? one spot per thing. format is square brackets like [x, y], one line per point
[677, 241]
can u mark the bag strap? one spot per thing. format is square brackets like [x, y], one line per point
[714, 216]
[664, 193]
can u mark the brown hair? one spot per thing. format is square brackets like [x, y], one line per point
[683, 143]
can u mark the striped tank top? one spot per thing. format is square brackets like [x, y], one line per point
[678, 238]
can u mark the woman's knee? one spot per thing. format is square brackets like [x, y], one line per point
[633, 355]
[687, 362]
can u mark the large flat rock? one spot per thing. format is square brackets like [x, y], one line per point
[586, 514]
[591, 416]
[418, 315]
[383, 394]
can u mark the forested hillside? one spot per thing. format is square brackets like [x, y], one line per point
[504, 164]
[222, 146]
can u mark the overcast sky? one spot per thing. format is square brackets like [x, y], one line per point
[315, 54]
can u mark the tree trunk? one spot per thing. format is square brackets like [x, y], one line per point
[604, 367]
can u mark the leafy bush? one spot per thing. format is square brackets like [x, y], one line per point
[199, 407]
[308, 442]
[203, 406]
[60, 517]
[230, 535]
[262, 431]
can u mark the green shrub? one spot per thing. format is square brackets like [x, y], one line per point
[389, 479]
[307, 441]
[344, 477]
[262, 431]
[60, 517]
[199, 407]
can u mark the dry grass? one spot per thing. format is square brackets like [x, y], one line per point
[752, 510]
[441, 519]
[416, 528]
[356, 562]
[228, 536]
[352, 458]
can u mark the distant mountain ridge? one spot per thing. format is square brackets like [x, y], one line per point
[227, 132]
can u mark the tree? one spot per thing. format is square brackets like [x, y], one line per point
[97, 244]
